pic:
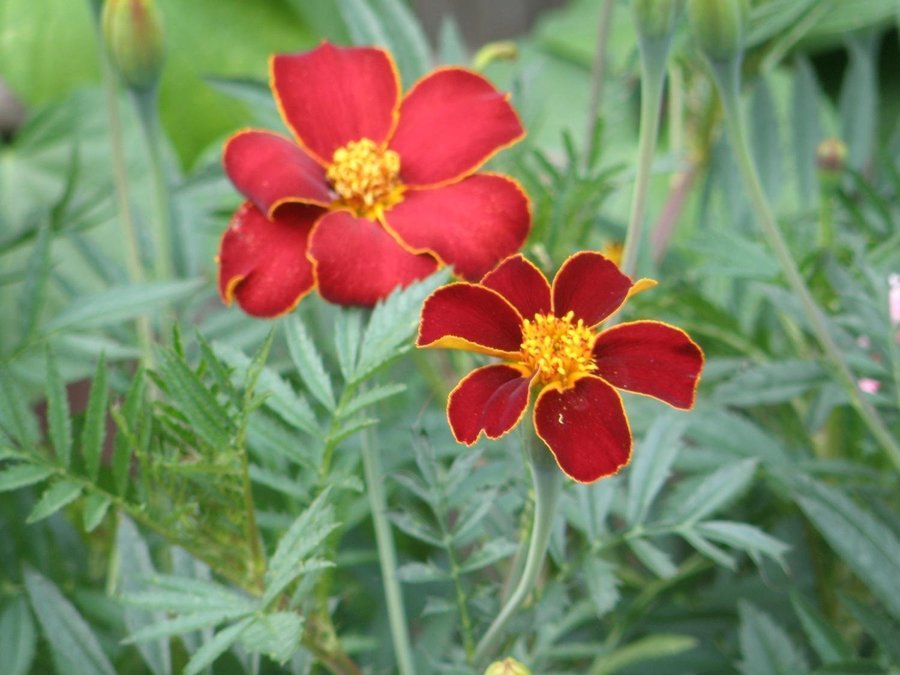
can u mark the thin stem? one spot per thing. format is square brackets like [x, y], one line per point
[387, 556]
[654, 53]
[598, 73]
[547, 486]
[727, 77]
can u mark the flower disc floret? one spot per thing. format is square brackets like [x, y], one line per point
[557, 349]
[365, 177]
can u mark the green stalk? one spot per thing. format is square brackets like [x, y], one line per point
[654, 55]
[547, 486]
[598, 72]
[727, 78]
[387, 557]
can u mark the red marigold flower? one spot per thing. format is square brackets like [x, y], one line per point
[374, 191]
[547, 338]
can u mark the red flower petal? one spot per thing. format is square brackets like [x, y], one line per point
[650, 358]
[451, 122]
[491, 399]
[470, 225]
[470, 317]
[263, 262]
[356, 262]
[333, 95]
[591, 286]
[522, 283]
[269, 169]
[585, 427]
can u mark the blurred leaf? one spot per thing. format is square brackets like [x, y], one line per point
[407, 39]
[707, 548]
[95, 508]
[713, 492]
[277, 635]
[417, 528]
[421, 573]
[16, 418]
[94, 431]
[372, 395]
[21, 475]
[770, 383]
[765, 646]
[18, 638]
[745, 537]
[602, 583]
[859, 100]
[731, 255]
[73, 645]
[187, 594]
[766, 140]
[308, 362]
[31, 300]
[649, 648]
[825, 640]
[452, 46]
[186, 623]
[58, 495]
[347, 331]
[363, 23]
[768, 19]
[491, 552]
[214, 648]
[125, 443]
[58, 416]
[651, 465]
[878, 624]
[866, 544]
[806, 127]
[655, 560]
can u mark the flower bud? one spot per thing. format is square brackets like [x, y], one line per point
[656, 18]
[505, 50]
[831, 159]
[133, 33]
[508, 666]
[719, 27]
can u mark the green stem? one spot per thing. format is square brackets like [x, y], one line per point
[148, 115]
[654, 55]
[598, 72]
[387, 556]
[727, 77]
[547, 486]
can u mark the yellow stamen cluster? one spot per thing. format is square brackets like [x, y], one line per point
[365, 177]
[557, 349]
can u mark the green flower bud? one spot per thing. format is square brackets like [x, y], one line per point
[656, 18]
[508, 666]
[831, 159]
[719, 27]
[133, 33]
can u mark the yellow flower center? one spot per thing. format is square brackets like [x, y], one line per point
[557, 349]
[366, 178]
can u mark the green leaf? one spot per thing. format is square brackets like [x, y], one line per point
[825, 640]
[878, 624]
[651, 465]
[18, 638]
[770, 383]
[122, 303]
[363, 23]
[707, 548]
[859, 100]
[211, 650]
[347, 331]
[602, 584]
[421, 573]
[16, 418]
[417, 528]
[491, 552]
[746, 538]
[806, 127]
[58, 495]
[733, 256]
[94, 431]
[73, 645]
[865, 543]
[31, 301]
[649, 648]
[21, 475]
[308, 362]
[713, 492]
[655, 560]
[95, 507]
[407, 39]
[58, 415]
[186, 623]
[188, 594]
[765, 647]
[372, 395]
[277, 635]
[766, 142]
[126, 440]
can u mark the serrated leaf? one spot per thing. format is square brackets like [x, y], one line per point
[276, 635]
[421, 573]
[121, 304]
[649, 648]
[22, 475]
[602, 583]
[94, 431]
[765, 647]
[652, 461]
[825, 640]
[708, 549]
[308, 362]
[73, 645]
[59, 419]
[58, 495]
[186, 623]
[746, 538]
[37, 270]
[135, 564]
[126, 442]
[211, 650]
[866, 544]
[95, 507]
[347, 331]
[187, 594]
[416, 528]
[770, 383]
[655, 560]
[714, 492]
[18, 638]
[491, 552]
[372, 395]
[472, 514]
[16, 418]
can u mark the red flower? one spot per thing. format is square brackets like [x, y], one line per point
[374, 191]
[546, 337]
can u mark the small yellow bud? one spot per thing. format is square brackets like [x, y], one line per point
[508, 666]
[494, 51]
[656, 18]
[831, 158]
[132, 30]
[719, 27]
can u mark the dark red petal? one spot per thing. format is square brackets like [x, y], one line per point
[451, 122]
[589, 285]
[650, 358]
[333, 95]
[491, 400]
[471, 317]
[356, 262]
[269, 169]
[522, 283]
[470, 225]
[262, 262]
[585, 427]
